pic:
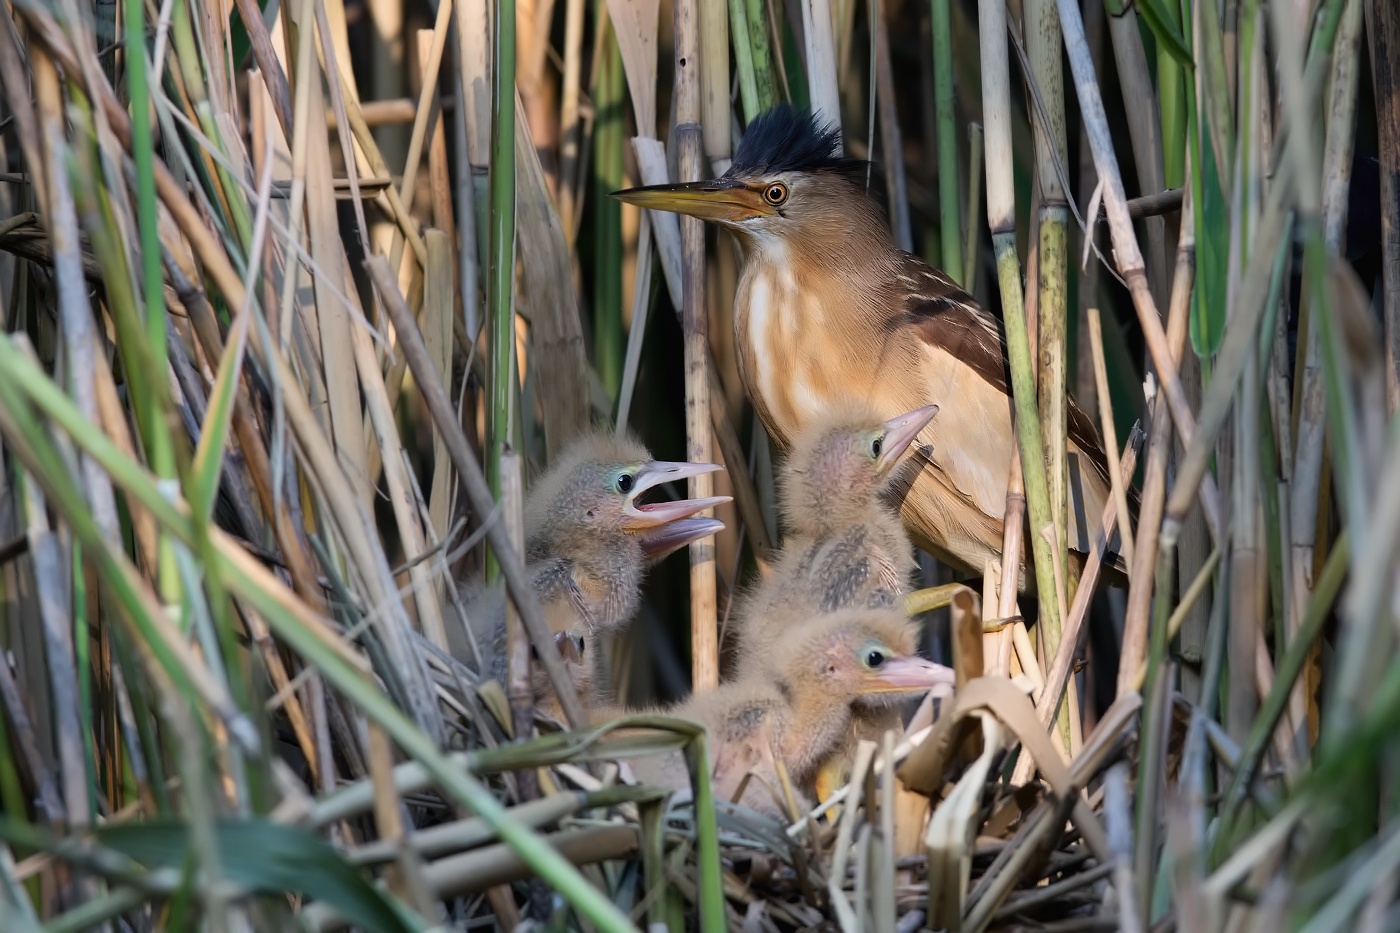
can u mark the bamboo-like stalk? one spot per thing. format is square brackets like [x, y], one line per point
[500, 279]
[1043, 50]
[704, 629]
[950, 235]
[1001, 216]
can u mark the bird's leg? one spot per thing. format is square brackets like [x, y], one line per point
[830, 777]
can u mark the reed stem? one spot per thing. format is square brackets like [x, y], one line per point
[704, 628]
[1001, 216]
[501, 268]
[950, 234]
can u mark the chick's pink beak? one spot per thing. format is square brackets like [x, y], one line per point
[662, 542]
[900, 431]
[907, 675]
[642, 517]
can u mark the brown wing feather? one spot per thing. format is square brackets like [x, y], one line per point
[944, 315]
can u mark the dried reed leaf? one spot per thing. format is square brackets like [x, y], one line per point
[953, 829]
[635, 23]
[547, 299]
[926, 765]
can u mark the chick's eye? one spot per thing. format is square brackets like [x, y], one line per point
[775, 193]
[874, 657]
[876, 446]
[625, 482]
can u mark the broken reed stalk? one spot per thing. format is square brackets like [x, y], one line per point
[1001, 217]
[704, 628]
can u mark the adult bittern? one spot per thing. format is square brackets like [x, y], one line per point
[844, 546]
[588, 541]
[797, 709]
[828, 308]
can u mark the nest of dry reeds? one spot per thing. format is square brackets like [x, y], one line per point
[292, 298]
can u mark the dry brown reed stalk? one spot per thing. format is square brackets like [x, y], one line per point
[704, 628]
[1110, 433]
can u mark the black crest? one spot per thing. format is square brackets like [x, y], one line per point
[788, 140]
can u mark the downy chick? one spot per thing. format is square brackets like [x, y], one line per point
[797, 709]
[588, 541]
[846, 547]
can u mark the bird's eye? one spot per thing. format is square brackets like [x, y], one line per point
[874, 657]
[775, 193]
[876, 446]
[625, 482]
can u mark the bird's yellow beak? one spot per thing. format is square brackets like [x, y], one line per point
[722, 200]
[648, 517]
[907, 675]
[900, 431]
